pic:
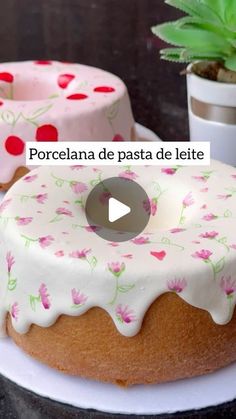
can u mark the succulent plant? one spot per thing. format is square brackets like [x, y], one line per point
[208, 32]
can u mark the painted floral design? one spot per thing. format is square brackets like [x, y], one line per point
[124, 314]
[23, 221]
[128, 174]
[43, 297]
[177, 285]
[150, 206]
[85, 254]
[44, 241]
[15, 311]
[203, 177]
[170, 170]
[30, 178]
[117, 269]
[205, 256]
[60, 212]
[187, 202]
[228, 286]
[78, 187]
[11, 281]
[78, 298]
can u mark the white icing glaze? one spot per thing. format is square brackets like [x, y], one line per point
[37, 101]
[52, 263]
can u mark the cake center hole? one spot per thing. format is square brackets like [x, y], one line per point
[33, 87]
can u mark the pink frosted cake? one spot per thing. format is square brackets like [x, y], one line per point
[54, 101]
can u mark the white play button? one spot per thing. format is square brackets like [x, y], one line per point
[117, 210]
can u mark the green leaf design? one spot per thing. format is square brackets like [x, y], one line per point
[93, 262]
[125, 288]
[11, 286]
[38, 112]
[59, 183]
[165, 240]
[228, 214]
[219, 266]
[113, 110]
[223, 240]
[8, 117]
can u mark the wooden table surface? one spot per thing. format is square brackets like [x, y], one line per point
[114, 35]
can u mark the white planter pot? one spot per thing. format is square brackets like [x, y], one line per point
[212, 116]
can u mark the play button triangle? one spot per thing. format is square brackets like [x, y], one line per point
[117, 210]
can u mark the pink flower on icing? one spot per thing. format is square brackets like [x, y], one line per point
[124, 314]
[209, 217]
[177, 230]
[80, 254]
[141, 240]
[78, 298]
[78, 187]
[228, 285]
[209, 235]
[4, 205]
[204, 190]
[23, 221]
[59, 253]
[10, 261]
[169, 170]
[64, 211]
[150, 206]
[15, 311]
[44, 296]
[233, 246]
[234, 176]
[116, 268]
[128, 256]
[177, 285]
[224, 197]
[200, 178]
[30, 178]
[113, 244]
[104, 197]
[202, 254]
[41, 198]
[77, 167]
[203, 207]
[45, 241]
[92, 229]
[128, 174]
[188, 200]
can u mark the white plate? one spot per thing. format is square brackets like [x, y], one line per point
[195, 393]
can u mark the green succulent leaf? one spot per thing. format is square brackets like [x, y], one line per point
[195, 8]
[199, 39]
[208, 32]
[230, 63]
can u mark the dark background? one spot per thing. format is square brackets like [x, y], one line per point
[114, 35]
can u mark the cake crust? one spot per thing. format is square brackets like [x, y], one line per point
[176, 341]
[19, 173]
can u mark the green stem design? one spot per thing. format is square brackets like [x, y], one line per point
[182, 218]
[116, 292]
[28, 240]
[56, 219]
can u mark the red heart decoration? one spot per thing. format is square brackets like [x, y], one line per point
[14, 145]
[47, 133]
[159, 255]
[7, 77]
[104, 89]
[77, 96]
[118, 137]
[43, 62]
[64, 80]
